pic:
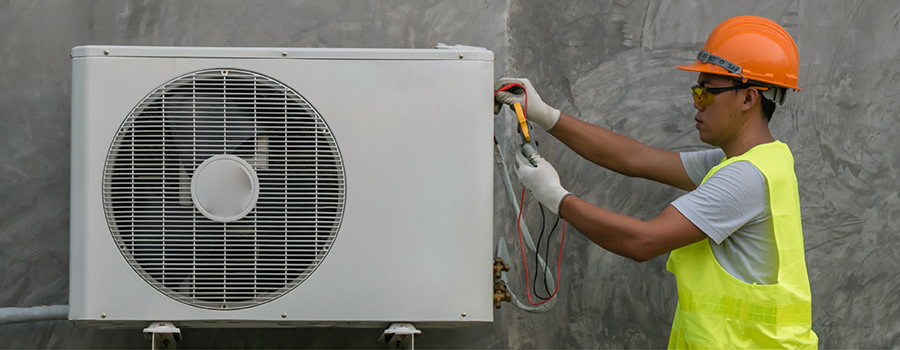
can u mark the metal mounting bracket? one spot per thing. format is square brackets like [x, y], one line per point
[163, 335]
[400, 336]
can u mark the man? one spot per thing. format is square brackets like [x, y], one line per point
[736, 241]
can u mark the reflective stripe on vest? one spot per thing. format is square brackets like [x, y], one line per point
[716, 310]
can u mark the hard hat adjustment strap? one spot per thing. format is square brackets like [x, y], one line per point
[706, 57]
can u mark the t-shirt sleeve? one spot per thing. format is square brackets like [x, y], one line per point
[732, 197]
[699, 163]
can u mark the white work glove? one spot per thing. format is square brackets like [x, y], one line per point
[536, 111]
[542, 180]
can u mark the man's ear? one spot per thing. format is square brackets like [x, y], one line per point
[751, 97]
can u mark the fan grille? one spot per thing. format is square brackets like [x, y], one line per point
[224, 265]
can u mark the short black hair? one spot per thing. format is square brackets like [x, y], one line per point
[768, 107]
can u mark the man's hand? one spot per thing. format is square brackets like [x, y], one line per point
[542, 180]
[536, 110]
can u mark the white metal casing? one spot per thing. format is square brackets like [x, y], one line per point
[414, 129]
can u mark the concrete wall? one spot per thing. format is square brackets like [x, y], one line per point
[606, 62]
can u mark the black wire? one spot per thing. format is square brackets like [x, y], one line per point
[547, 254]
[537, 254]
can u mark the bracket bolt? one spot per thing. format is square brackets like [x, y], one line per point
[106, 52]
[284, 54]
[283, 315]
[463, 314]
[461, 56]
[102, 315]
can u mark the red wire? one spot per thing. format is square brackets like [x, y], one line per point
[510, 86]
[524, 262]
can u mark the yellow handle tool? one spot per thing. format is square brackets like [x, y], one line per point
[521, 115]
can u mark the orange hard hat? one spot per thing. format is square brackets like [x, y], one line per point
[750, 48]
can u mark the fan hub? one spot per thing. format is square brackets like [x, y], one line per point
[224, 188]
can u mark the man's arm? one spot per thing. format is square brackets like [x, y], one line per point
[620, 234]
[621, 154]
[629, 237]
[603, 147]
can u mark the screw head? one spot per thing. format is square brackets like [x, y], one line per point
[461, 56]
[102, 315]
[463, 314]
[283, 315]
[284, 54]
[106, 53]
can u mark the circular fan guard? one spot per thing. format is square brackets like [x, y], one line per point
[247, 261]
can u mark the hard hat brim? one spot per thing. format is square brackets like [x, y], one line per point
[710, 68]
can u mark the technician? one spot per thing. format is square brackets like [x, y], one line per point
[736, 240]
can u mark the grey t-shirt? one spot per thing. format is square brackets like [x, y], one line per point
[731, 207]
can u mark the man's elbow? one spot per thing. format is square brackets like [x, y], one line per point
[640, 257]
[633, 253]
[641, 251]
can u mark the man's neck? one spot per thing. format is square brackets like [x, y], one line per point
[751, 135]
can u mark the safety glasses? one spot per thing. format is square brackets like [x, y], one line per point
[705, 96]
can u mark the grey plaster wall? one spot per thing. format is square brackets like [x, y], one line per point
[607, 62]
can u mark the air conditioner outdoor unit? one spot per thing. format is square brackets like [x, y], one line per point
[267, 187]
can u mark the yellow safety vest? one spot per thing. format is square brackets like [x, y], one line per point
[716, 310]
